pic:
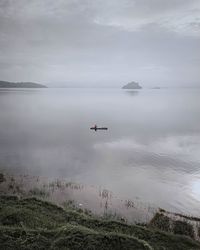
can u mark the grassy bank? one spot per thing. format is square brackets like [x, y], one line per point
[36, 224]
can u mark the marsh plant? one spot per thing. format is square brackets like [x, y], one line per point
[129, 204]
[38, 192]
[2, 178]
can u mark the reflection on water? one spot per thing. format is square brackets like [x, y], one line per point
[131, 92]
[151, 149]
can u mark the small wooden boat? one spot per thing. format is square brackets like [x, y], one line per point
[98, 128]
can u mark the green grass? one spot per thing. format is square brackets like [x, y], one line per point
[182, 227]
[161, 222]
[164, 223]
[38, 192]
[35, 224]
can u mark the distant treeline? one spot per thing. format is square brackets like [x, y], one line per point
[5, 84]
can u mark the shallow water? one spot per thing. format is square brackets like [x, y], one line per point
[150, 152]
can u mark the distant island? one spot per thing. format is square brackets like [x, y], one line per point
[132, 85]
[5, 84]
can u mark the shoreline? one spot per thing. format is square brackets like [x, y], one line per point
[98, 202]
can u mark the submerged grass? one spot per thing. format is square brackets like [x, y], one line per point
[176, 225]
[35, 224]
[2, 178]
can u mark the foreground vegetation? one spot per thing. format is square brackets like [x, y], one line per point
[35, 224]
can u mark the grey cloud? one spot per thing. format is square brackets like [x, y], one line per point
[100, 42]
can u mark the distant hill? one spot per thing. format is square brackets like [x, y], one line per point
[5, 84]
[132, 85]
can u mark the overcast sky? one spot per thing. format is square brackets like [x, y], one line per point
[100, 42]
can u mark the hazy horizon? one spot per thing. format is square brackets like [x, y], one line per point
[100, 43]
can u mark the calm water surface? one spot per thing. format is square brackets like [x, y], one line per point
[151, 150]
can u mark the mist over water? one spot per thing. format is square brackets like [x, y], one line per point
[151, 149]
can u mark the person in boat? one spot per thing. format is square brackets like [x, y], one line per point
[96, 128]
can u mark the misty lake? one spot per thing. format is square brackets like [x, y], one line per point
[151, 150]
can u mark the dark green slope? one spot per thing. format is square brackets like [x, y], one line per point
[35, 224]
